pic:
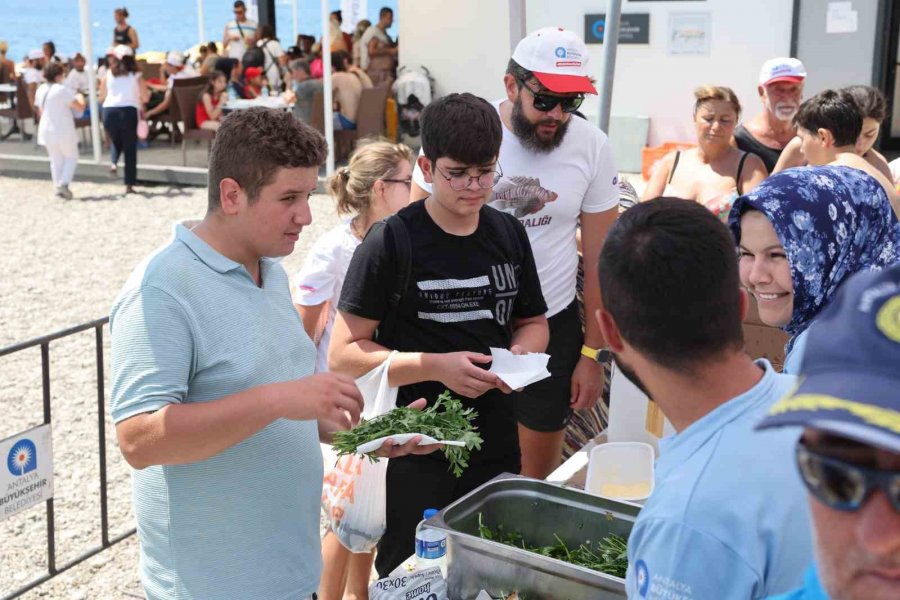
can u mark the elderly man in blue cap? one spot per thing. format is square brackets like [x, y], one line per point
[849, 455]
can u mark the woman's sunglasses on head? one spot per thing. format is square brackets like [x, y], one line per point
[843, 485]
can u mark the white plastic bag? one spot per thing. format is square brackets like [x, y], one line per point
[353, 493]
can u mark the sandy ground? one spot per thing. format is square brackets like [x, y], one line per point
[63, 262]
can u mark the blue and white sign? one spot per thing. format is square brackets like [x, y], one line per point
[26, 477]
[634, 28]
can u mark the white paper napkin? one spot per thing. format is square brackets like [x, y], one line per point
[519, 370]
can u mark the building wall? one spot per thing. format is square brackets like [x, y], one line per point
[651, 83]
[835, 60]
[464, 43]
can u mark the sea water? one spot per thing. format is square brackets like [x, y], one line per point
[161, 24]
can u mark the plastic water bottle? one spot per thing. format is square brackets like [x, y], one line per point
[265, 91]
[431, 545]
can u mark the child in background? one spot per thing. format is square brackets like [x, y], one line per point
[873, 110]
[254, 82]
[208, 110]
[54, 103]
[374, 185]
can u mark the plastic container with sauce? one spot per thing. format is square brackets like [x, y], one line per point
[621, 471]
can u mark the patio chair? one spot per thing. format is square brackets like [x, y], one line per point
[21, 110]
[5, 77]
[172, 116]
[84, 124]
[186, 99]
[370, 117]
[150, 70]
[317, 112]
[370, 121]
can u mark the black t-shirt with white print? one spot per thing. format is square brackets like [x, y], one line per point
[463, 294]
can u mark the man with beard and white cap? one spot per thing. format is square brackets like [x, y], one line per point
[174, 69]
[558, 171]
[780, 90]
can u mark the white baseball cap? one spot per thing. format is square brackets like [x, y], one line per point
[558, 58]
[35, 54]
[122, 51]
[175, 59]
[781, 69]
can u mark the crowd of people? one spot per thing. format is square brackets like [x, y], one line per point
[772, 482]
[250, 59]
[202, 391]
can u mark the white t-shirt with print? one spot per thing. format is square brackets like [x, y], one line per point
[322, 277]
[579, 175]
[246, 30]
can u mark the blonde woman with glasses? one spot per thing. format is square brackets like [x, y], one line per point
[374, 185]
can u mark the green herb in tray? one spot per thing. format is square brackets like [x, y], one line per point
[446, 419]
[607, 556]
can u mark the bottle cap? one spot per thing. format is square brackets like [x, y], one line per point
[430, 512]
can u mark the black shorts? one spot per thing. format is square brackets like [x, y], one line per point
[416, 483]
[544, 406]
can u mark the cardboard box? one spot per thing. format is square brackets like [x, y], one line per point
[763, 341]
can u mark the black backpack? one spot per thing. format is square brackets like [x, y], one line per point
[253, 57]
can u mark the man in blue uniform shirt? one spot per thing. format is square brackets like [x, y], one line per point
[849, 455]
[726, 518]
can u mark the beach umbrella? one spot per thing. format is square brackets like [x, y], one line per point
[517, 27]
[154, 57]
[610, 47]
[296, 19]
[200, 21]
[326, 87]
[86, 49]
[194, 51]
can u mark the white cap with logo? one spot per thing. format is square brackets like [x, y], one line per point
[121, 51]
[558, 58]
[175, 59]
[781, 69]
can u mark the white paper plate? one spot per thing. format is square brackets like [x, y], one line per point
[401, 439]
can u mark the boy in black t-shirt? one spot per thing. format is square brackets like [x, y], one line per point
[471, 285]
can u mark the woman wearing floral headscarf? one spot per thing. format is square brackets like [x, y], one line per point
[801, 233]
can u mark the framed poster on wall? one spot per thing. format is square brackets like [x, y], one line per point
[689, 33]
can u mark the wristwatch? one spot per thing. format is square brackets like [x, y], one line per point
[600, 355]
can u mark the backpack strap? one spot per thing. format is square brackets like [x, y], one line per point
[504, 223]
[403, 260]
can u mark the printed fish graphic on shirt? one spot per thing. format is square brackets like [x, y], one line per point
[521, 196]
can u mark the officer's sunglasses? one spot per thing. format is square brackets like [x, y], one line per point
[842, 485]
[546, 102]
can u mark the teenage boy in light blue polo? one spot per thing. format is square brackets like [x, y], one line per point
[726, 517]
[213, 395]
[849, 456]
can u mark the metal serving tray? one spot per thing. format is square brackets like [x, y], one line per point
[537, 510]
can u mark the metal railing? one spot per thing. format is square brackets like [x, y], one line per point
[105, 542]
